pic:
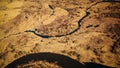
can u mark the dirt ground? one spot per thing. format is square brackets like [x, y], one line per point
[85, 31]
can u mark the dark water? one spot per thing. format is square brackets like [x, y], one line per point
[63, 61]
[40, 35]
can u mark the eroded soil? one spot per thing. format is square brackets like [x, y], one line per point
[86, 31]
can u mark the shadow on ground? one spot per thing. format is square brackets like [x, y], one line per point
[63, 61]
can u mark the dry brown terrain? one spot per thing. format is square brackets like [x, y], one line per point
[85, 31]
